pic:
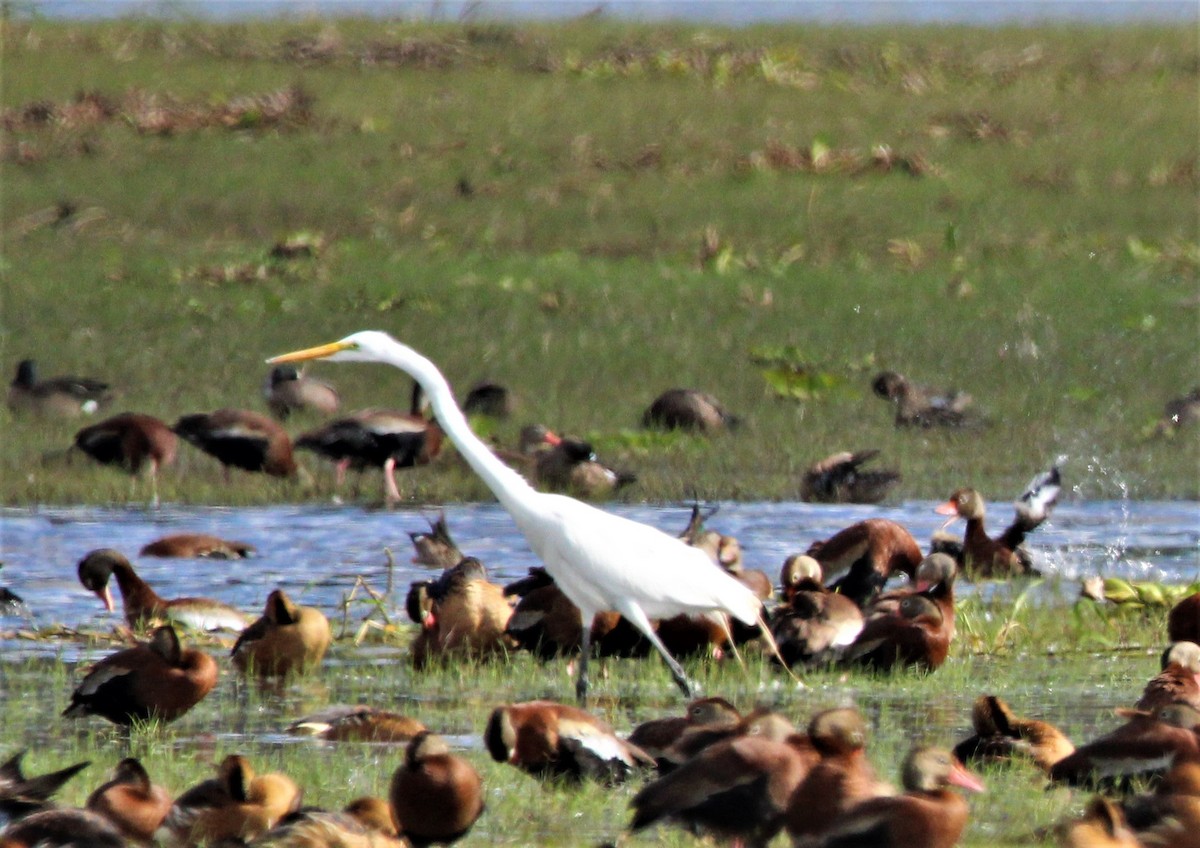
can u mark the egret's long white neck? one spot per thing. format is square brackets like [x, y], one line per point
[509, 487]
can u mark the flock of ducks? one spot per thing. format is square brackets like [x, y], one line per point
[740, 777]
[389, 439]
[744, 777]
[373, 438]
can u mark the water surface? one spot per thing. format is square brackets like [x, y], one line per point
[316, 553]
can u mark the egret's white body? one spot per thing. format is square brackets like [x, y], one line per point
[600, 561]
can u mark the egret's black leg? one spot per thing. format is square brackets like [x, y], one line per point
[581, 679]
[638, 619]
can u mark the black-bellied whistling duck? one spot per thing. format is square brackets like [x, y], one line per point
[816, 625]
[196, 546]
[546, 623]
[657, 735]
[1003, 556]
[22, 796]
[417, 602]
[143, 606]
[839, 780]
[1102, 825]
[376, 438]
[1183, 621]
[374, 813]
[726, 552]
[286, 638]
[436, 796]
[936, 572]
[131, 441]
[548, 738]
[757, 722]
[869, 552]
[436, 548]
[379, 438]
[1145, 745]
[688, 409]
[1179, 412]
[237, 804]
[135, 806]
[288, 391]
[920, 406]
[157, 679]
[736, 789]
[928, 814]
[363, 823]
[706, 634]
[1000, 735]
[839, 478]
[467, 616]
[1170, 816]
[239, 438]
[490, 399]
[10, 602]
[564, 464]
[1178, 682]
[917, 634]
[695, 635]
[359, 723]
[65, 827]
[57, 397]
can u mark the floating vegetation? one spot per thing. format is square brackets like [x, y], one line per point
[791, 375]
[1135, 594]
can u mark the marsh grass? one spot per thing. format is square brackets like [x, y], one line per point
[1076, 688]
[592, 213]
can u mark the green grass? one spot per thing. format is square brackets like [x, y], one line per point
[1074, 688]
[1044, 257]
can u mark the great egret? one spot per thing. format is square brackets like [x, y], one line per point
[600, 560]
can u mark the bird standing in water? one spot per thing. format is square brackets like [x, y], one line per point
[601, 561]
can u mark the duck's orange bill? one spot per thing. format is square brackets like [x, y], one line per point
[318, 352]
[947, 508]
[959, 776]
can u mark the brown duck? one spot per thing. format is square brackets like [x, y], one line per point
[286, 638]
[436, 796]
[157, 679]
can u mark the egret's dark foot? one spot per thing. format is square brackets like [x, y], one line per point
[687, 687]
[581, 687]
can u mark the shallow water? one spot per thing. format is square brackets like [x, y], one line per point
[316, 553]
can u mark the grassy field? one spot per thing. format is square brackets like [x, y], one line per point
[593, 212]
[1071, 669]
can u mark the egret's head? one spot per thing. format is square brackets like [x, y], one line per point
[367, 346]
